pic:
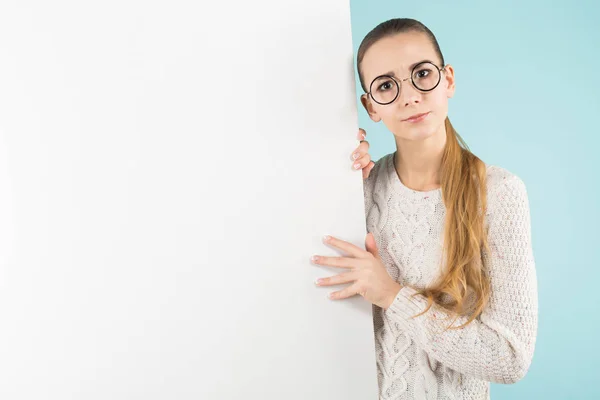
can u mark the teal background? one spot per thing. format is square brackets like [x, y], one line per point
[527, 90]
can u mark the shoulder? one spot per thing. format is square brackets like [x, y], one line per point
[506, 193]
[501, 181]
[375, 186]
[379, 170]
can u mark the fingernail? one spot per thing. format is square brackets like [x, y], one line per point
[356, 166]
[355, 156]
[362, 135]
[326, 238]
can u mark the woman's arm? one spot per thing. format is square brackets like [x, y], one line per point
[497, 346]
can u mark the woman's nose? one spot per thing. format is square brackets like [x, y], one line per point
[408, 93]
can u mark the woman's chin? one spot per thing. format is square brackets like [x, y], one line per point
[417, 134]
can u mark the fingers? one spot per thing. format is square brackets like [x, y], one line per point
[367, 170]
[362, 162]
[361, 159]
[336, 280]
[349, 248]
[362, 134]
[338, 262]
[345, 293]
[361, 150]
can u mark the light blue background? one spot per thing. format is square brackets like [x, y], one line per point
[527, 99]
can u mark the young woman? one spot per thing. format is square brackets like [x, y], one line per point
[448, 265]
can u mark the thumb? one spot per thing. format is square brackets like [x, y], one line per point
[371, 245]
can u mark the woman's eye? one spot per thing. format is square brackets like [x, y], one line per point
[423, 73]
[385, 86]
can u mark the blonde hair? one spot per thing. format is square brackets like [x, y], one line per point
[463, 289]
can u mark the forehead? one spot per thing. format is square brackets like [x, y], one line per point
[397, 53]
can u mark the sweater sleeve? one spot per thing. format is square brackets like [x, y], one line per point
[498, 345]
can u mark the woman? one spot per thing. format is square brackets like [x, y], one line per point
[448, 266]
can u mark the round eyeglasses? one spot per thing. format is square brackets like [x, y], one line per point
[425, 77]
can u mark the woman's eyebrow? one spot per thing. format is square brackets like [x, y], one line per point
[391, 73]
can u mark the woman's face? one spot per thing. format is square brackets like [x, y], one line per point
[396, 55]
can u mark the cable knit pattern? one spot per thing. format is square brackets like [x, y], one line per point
[415, 358]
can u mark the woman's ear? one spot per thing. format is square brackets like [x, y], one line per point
[450, 81]
[366, 102]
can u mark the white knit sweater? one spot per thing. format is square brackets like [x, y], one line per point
[415, 359]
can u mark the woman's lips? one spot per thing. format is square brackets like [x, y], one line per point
[417, 117]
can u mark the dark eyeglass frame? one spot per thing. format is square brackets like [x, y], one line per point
[398, 82]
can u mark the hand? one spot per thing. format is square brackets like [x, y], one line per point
[363, 159]
[365, 271]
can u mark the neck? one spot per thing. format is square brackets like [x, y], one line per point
[418, 162]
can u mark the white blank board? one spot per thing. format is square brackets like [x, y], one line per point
[166, 171]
